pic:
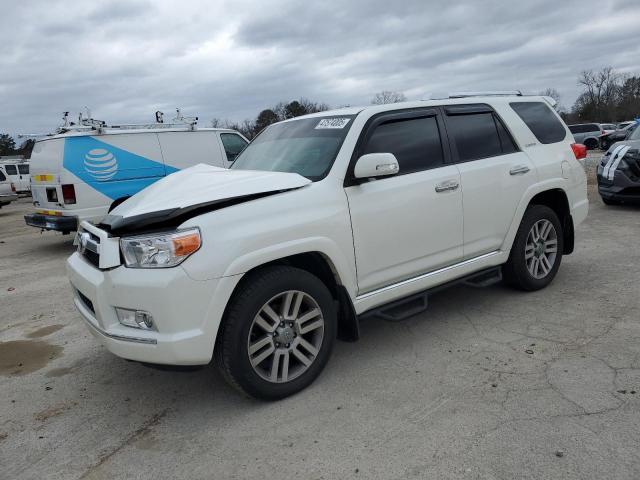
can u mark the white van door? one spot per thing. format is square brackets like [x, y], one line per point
[24, 184]
[186, 149]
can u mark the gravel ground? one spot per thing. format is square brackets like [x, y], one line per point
[488, 383]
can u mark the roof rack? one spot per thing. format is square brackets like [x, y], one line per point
[489, 93]
[86, 123]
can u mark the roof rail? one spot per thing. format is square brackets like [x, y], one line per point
[488, 93]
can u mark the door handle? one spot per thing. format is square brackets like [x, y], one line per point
[447, 186]
[519, 170]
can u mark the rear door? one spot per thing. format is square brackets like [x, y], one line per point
[494, 174]
[410, 223]
[24, 181]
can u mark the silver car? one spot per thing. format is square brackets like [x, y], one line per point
[587, 134]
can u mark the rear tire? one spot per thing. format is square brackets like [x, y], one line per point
[278, 316]
[609, 201]
[591, 143]
[536, 252]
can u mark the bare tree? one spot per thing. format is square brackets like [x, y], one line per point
[601, 91]
[387, 96]
[553, 93]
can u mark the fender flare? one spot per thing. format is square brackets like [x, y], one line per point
[532, 191]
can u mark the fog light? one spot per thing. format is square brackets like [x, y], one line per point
[134, 318]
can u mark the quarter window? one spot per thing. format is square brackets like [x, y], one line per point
[477, 136]
[415, 143]
[23, 169]
[233, 145]
[11, 169]
[542, 122]
[2, 177]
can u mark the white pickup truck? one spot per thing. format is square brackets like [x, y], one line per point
[325, 219]
[7, 189]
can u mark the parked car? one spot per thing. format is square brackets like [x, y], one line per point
[609, 139]
[81, 175]
[7, 189]
[608, 127]
[325, 219]
[587, 134]
[18, 172]
[618, 173]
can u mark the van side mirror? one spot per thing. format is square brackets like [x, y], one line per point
[376, 165]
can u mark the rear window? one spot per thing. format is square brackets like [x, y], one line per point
[11, 169]
[584, 128]
[542, 122]
[23, 169]
[2, 177]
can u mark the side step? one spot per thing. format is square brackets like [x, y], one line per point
[401, 309]
[404, 308]
[484, 278]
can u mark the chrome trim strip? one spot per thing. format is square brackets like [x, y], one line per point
[123, 338]
[425, 275]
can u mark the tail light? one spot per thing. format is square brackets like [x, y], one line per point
[13, 188]
[579, 150]
[69, 194]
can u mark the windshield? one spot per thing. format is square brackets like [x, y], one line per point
[307, 146]
[635, 135]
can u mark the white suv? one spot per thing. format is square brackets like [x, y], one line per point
[322, 220]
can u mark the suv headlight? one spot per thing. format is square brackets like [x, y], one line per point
[160, 250]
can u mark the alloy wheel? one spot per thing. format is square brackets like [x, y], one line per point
[541, 249]
[285, 336]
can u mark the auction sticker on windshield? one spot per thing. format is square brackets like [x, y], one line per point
[332, 123]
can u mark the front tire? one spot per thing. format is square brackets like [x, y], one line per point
[536, 252]
[277, 334]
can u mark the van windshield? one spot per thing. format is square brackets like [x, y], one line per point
[307, 146]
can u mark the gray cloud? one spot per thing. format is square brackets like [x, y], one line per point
[231, 58]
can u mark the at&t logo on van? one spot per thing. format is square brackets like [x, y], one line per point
[101, 164]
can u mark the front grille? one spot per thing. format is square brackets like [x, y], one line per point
[88, 303]
[92, 257]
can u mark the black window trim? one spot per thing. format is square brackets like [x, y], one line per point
[471, 109]
[403, 114]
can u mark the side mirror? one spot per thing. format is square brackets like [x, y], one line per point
[376, 165]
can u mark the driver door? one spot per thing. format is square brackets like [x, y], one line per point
[410, 223]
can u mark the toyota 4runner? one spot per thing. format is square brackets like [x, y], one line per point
[323, 220]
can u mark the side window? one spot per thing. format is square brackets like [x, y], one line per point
[233, 145]
[542, 122]
[2, 177]
[11, 169]
[475, 135]
[508, 145]
[415, 142]
[23, 169]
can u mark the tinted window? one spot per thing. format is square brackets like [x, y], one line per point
[415, 143]
[233, 145]
[11, 169]
[585, 128]
[475, 136]
[542, 122]
[23, 169]
[2, 177]
[506, 141]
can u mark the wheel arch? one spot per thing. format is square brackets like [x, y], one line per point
[322, 266]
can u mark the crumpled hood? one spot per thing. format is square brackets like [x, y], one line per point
[630, 143]
[197, 188]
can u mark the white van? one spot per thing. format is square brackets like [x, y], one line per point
[82, 175]
[18, 172]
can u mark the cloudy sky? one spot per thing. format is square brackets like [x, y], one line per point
[230, 59]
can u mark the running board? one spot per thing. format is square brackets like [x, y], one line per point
[412, 305]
